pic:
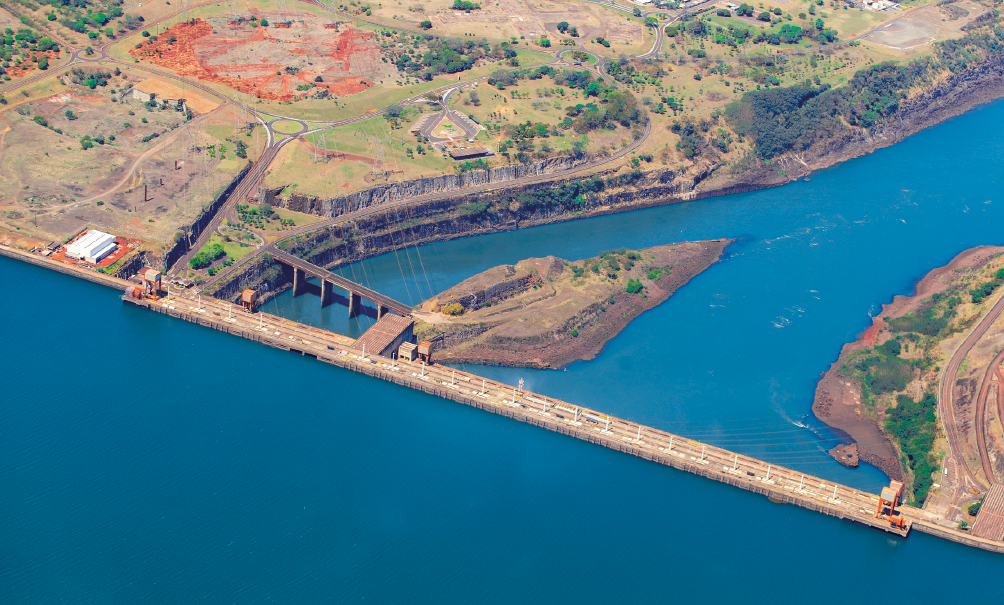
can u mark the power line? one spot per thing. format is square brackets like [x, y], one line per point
[401, 269]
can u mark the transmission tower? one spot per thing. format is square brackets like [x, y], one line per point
[379, 164]
[283, 15]
[191, 136]
[241, 100]
[320, 143]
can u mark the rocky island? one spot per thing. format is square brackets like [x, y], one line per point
[548, 312]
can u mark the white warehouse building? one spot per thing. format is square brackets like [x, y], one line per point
[91, 247]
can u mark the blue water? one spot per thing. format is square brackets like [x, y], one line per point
[144, 459]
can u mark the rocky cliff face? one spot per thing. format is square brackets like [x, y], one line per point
[956, 94]
[443, 219]
[198, 225]
[268, 276]
[331, 207]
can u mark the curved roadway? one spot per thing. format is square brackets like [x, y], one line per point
[946, 393]
[277, 139]
[357, 214]
[991, 377]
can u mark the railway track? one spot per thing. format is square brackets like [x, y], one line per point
[993, 370]
[946, 392]
[252, 179]
[363, 212]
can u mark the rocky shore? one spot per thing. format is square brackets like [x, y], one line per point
[457, 216]
[548, 312]
[840, 399]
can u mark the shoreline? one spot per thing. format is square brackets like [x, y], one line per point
[956, 95]
[65, 269]
[540, 331]
[837, 398]
[777, 483]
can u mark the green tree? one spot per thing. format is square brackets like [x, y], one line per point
[790, 34]
[974, 508]
[425, 24]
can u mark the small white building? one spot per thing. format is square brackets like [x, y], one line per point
[91, 247]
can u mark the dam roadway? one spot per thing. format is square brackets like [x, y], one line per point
[776, 482]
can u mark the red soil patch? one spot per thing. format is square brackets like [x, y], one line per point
[198, 52]
[870, 334]
[16, 71]
[125, 246]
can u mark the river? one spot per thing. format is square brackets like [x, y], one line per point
[144, 459]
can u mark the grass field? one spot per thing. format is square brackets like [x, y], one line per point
[387, 91]
[44, 170]
[298, 218]
[233, 249]
[295, 167]
[286, 126]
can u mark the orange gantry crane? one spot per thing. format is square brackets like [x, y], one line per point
[888, 499]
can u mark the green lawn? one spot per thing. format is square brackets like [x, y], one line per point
[527, 57]
[233, 249]
[297, 217]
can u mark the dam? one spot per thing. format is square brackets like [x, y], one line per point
[778, 483]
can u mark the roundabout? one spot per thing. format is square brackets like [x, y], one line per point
[287, 126]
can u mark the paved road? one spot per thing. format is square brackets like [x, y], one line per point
[248, 186]
[736, 468]
[468, 128]
[276, 139]
[357, 214]
[320, 272]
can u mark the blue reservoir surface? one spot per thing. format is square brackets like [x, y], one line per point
[146, 459]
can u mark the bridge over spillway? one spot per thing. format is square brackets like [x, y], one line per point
[302, 269]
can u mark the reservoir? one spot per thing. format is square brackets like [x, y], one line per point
[144, 459]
